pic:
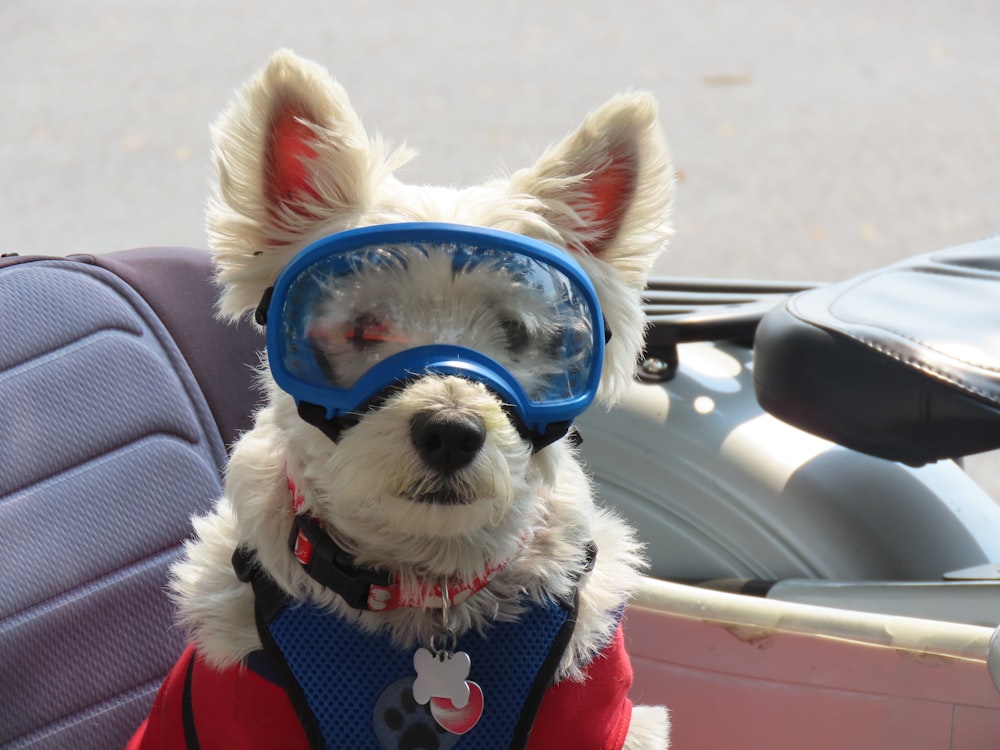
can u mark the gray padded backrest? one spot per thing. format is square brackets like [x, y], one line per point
[107, 446]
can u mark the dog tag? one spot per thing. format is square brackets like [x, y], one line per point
[457, 720]
[456, 703]
[441, 675]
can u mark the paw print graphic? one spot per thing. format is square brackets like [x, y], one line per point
[403, 724]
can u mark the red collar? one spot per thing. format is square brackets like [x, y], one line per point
[325, 561]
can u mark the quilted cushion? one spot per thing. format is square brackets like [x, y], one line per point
[109, 445]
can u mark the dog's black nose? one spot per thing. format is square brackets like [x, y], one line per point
[447, 441]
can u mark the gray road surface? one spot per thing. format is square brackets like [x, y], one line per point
[814, 139]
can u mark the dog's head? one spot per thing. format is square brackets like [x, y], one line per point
[435, 454]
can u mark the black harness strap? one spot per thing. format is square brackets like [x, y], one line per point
[269, 601]
[187, 710]
[546, 675]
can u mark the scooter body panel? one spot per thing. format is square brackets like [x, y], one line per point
[718, 489]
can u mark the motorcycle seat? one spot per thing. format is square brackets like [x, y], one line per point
[902, 362]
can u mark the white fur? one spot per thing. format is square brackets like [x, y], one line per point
[537, 511]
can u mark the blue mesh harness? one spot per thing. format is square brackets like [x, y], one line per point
[352, 689]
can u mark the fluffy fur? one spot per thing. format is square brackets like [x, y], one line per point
[295, 164]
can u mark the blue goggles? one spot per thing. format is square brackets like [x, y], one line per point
[357, 313]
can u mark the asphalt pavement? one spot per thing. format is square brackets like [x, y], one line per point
[814, 140]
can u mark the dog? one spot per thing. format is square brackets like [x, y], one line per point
[433, 515]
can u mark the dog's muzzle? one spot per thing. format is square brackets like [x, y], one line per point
[356, 316]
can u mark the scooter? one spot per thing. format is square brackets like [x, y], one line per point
[823, 574]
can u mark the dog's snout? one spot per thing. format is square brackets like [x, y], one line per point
[447, 441]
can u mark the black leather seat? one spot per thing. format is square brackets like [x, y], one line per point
[901, 363]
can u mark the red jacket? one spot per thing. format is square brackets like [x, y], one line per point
[241, 710]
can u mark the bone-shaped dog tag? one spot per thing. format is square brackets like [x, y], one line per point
[441, 675]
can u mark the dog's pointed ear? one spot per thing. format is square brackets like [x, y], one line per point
[606, 193]
[607, 189]
[293, 162]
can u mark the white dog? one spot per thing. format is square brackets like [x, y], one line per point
[432, 522]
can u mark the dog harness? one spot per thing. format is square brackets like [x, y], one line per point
[322, 682]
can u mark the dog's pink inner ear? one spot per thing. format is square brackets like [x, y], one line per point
[289, 153]
[609, 191]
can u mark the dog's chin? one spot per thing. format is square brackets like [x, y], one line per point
[439, 497]
[443, 514]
